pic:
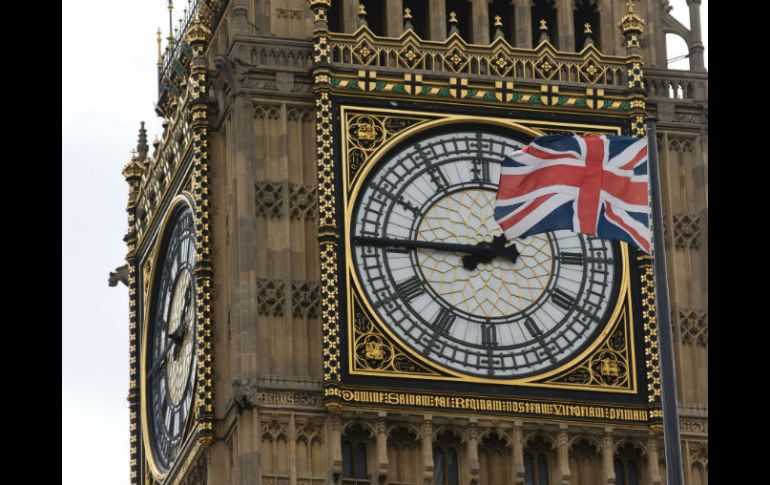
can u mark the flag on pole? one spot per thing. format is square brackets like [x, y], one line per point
[595, 185]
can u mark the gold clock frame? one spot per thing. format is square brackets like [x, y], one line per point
[353, 127]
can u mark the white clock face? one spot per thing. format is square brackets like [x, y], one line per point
[436, 270]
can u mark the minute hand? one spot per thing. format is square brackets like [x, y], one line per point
[482, 252]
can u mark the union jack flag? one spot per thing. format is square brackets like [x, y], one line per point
[596, 185]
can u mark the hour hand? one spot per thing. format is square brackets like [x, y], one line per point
[497, 248]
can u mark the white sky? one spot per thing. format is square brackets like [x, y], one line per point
[109, 78]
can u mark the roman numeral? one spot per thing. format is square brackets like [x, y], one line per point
[410, 289]
[532, 328]
[444, 320]
[488, 335]
[438, 178]
[480, 171]
[562, 299]
[571, 258]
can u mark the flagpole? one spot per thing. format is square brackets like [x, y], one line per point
[671, 439]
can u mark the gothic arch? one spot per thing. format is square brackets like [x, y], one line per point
[367, 428]
[496, 431]
[448, 428]
[635, 443]
[541, 435]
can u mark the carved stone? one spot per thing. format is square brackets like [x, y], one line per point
[693, 326]
[305, 298]
[687, 231]
[269, 199]
[303, 201]
[119, 275]
[270, 297]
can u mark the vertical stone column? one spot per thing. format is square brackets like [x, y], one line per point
[394, 13]
[565, 18]
[518, 453]
[349, 15]
[382, 447]
[563, 455]
[696, 44]
[426, 439]
[292, 450]
[240, 21]
[335, 446]
[473, 451]
[438, 19]
[608, 468]
[480, 21]
[606, 27]
[653, 468]
[523, 28]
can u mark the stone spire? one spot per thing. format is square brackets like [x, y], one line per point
[632, 27]
[498, 26]
[588, 32]
[453, 23]
[543, 32]
[361, 14]
[408, 19]
[141, 145]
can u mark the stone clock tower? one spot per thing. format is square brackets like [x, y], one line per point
[319, 293]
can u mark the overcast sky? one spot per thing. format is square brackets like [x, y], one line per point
[109, 79]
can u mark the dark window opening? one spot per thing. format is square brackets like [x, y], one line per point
[504, 9]
[445, 466]
[334, 17]
[375, 16]
[535, 469]
[544, 10]
[462, 8]
[354, 471]
[586, 12]
[626, 465]
[419, 11]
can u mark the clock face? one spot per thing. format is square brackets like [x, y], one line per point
[437, 272]
[170, 363]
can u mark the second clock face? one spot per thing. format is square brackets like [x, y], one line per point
[170, 366]
[430, 259]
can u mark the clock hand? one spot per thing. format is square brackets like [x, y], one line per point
[482, 252]
[496, 248]
[158, 363]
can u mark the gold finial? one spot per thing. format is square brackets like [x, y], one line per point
[361, 9]
[630, 6]
[498, 21]
[543, 25]
[407, 14]
[587, 29]
[160, 58]
[452, 17]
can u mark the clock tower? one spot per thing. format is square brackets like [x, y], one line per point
[319, 292]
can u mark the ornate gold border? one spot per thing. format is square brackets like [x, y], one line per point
[201, 423]
[352, 185]
[447, 402]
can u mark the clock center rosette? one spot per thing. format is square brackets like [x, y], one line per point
[497, 289]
